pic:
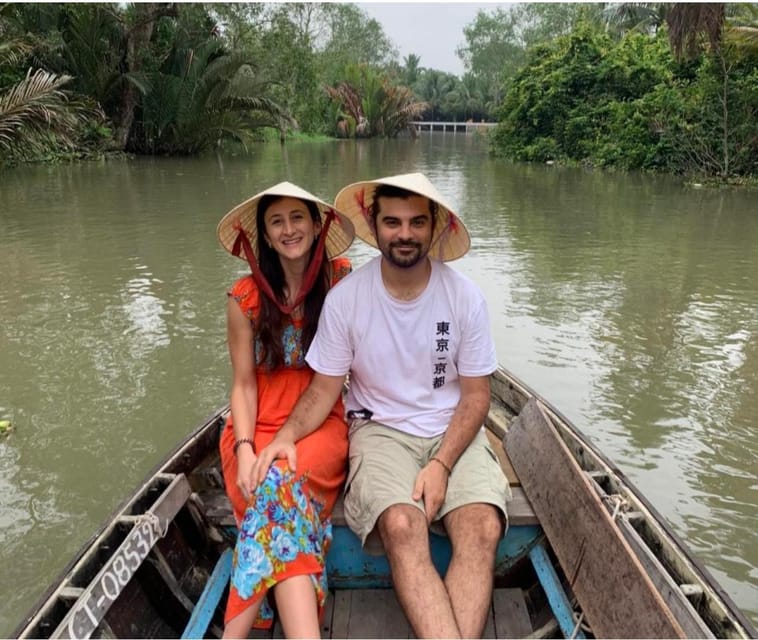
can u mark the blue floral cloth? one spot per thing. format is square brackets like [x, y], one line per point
[281, 535]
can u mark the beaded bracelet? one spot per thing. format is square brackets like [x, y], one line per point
[444, 466]
[242, 441]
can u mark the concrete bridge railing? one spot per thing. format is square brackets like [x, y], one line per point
[454, 127]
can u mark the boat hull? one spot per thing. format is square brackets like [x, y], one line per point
[159, 566]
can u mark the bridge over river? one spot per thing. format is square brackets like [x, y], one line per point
[454, 127]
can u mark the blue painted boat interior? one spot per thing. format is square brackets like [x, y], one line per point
[350, 567]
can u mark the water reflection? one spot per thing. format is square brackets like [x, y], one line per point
[629, 301]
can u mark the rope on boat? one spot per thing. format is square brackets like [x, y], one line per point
[155, 523]
[579, 617]
[618, 502]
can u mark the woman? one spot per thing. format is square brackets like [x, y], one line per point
[291, 241]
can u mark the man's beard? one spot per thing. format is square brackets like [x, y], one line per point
[405, 261]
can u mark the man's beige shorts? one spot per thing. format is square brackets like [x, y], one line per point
[384, 463]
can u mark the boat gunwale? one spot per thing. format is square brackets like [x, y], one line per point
[652, 516]
[49, 596]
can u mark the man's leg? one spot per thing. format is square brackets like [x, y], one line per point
[474, 532]
[418, 586]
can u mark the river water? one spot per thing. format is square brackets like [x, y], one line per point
[628, 301]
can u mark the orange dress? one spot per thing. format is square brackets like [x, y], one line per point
[285, 528]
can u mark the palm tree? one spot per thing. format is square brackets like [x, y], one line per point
[688, 22]
[202, 96]
[434, 87]
[411, 69]
[375, 106]
[35, 114]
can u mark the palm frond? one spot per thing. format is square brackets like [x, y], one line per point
[34, 107]
[12, 52]
[689, 22]
[746, 37]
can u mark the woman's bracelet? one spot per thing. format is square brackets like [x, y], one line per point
[444, 466]
[237, 444]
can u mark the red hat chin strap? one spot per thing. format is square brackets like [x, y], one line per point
[242, 244]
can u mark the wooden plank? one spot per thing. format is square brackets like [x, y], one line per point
[560, 605]
[376, 613]
[341, 613]
[326, 618]
[209, 599]
[498, 418]
[395, 623]
[611, 585]
[505, 390]
[217, 508]
[519, 509]
[502, 456]
[510, 614]
[489, 626]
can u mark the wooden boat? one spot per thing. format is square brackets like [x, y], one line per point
[585, 554]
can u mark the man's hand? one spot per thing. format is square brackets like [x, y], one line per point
[278, 449]
[431, 486]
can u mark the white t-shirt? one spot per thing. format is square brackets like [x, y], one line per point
[404, 358]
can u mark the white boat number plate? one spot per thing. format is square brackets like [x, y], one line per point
[90, 608]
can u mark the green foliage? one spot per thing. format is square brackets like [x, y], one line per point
[627, 103]
[592, 83]
[37, 117]
[201, 96]
[497, 42]
[350, 37]
[493, 51]
[370, 105]
[436, 88]
[716, 133]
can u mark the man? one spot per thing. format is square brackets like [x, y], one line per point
[414, 336]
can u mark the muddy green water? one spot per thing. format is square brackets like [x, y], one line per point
[630, 302]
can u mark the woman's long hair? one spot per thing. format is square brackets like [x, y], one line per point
[271, 320]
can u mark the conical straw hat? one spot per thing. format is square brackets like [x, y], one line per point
[243, 216]
[450, 240]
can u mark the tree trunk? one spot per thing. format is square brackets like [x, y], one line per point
[725, 115]
[137, 40]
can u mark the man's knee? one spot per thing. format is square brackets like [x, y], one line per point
[475, 528]
[490, 528]
[401, 525]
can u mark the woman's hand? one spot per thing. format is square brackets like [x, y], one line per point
[245, 462]
[278, 449]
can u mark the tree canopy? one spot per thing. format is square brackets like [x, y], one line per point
[661, 86]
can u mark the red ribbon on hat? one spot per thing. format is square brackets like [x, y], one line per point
[360, 199]
[242, 244]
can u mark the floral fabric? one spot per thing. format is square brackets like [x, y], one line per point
[280, 526]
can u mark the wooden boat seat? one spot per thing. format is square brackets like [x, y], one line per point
[219, 511]
[520, 512]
